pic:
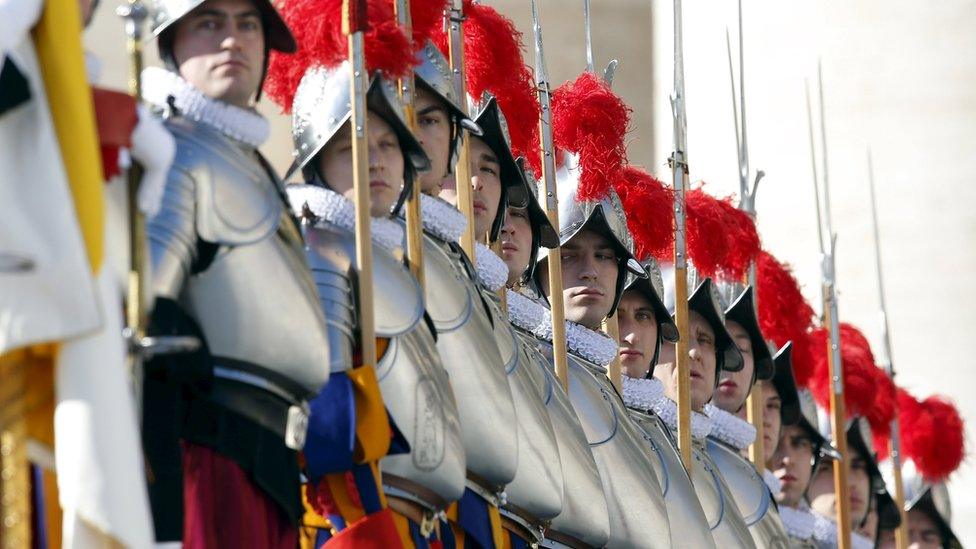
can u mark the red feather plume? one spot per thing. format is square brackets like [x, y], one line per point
[885, 402]
[932, 435]
[493, 63]
[744, 244]
[859, 380]
[427, 20]
[707, 232]
[591, 120]
[317, 27]
[649, 205]
[784, 315]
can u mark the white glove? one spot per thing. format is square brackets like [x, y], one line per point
[154, 148]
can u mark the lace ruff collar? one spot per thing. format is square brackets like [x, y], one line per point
[730, 429]
[825, 532]
[492, 270]
[524, 312]
[442, 219]
[642, 393]
[667, 410]
[596, 347]
[800, 523]
[339, 211]
[244, 125]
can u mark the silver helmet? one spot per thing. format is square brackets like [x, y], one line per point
[652, 286]
[494, 133]
[605, 216]
[860, 440]
[810, 421]
[740, 306]
[931, 498]
[704, 300]
[432, 73]
[322, 106]
[277, 35]
[543, 233]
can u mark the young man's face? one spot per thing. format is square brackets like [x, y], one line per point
[702, 355]
[434, 134]
[590, 266]
[823, 497]
[385, 165]
[516, 237]
[923, 533]
[733, 387]
[772, 407]
[638, 333]
[792, 463]
[219, 49]
[486, 186]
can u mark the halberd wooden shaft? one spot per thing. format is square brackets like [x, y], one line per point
[353, 23]
[612, 327]
[462, 172]
[412, 213]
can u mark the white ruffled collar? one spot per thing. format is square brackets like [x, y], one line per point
[667, 410]
[596, 347]
[244, 125]
[825, 532]
[442, 219]
[524, 312]
[492, 270]
[340, 211]
[642, 393]
[772, 482]
[800, 523]
[730, 429]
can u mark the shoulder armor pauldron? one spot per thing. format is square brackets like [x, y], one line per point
[237, 199]
[397, 301]
[593, 404]
[751, 495]
[450, 289]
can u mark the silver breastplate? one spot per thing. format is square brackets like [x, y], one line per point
[635, 500]
[685, 514]
[726, 524]
[536, 492]
[751, 496]
[256, 300]
[584, 514]
[470, 354]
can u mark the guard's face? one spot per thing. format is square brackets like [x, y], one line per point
[385, 165]
[702, 355]
[733, 387]
[516, 237]
[486, 186]
[792, 463]
[772, 407]
[823, 497]
[434, 134]
[219, 49]
[923, 532]
[590, 266]
[638, 333]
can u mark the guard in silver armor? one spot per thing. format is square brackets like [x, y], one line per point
[752, 496]
[929, 513]
[535, 495]
[583, 519]
[598, 265]
[465, 322]
[415, 387]
[644, 324]
[707, 324]
[224, 237]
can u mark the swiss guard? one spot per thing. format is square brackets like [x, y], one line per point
[223, 424]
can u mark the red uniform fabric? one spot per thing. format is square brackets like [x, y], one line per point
[224, 508]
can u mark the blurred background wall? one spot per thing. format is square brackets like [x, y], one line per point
[899, 77]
